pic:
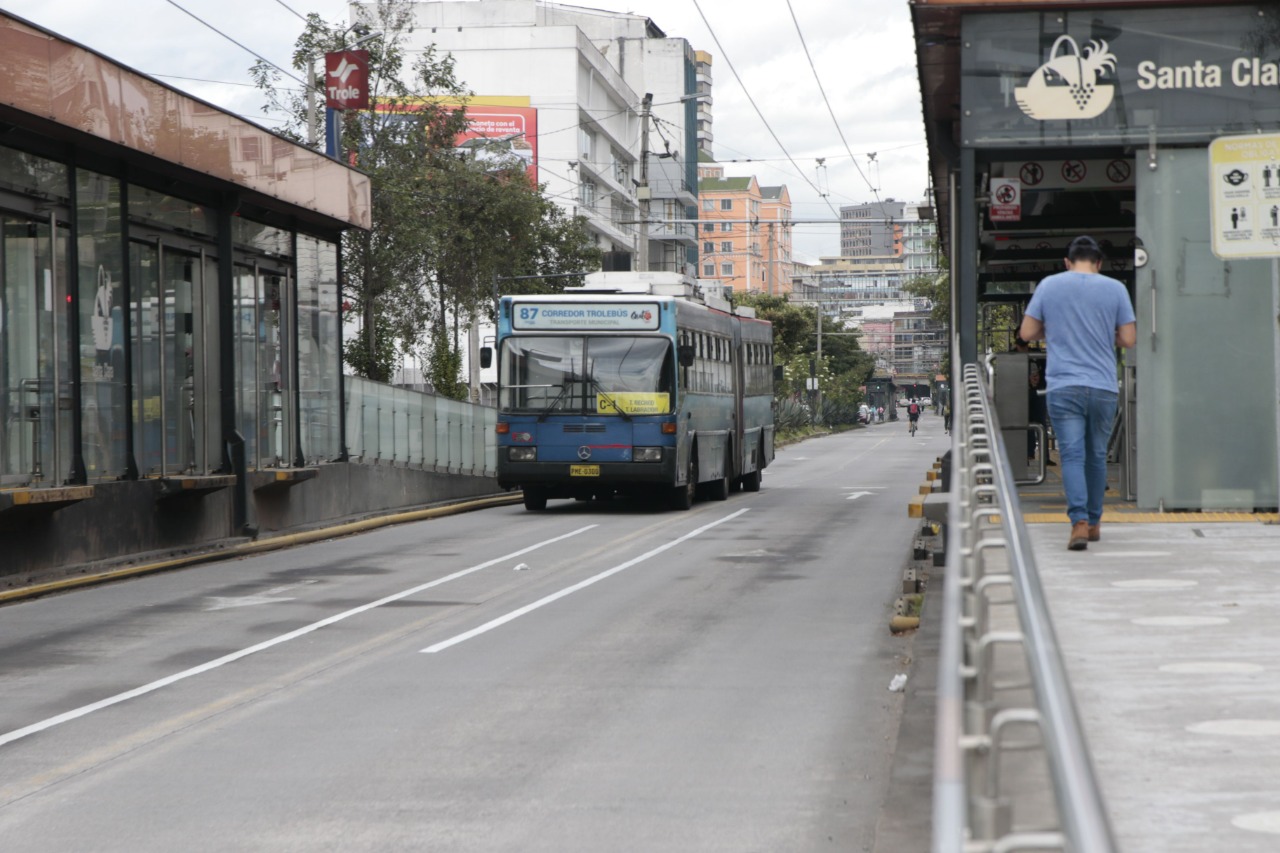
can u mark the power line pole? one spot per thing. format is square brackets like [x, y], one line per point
[817, 386]
[642, 192]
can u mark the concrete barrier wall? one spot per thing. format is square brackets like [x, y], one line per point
[130, 522]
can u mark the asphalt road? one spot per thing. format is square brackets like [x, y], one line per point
[595, 677]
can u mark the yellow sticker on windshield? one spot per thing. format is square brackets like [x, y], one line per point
[634, 403]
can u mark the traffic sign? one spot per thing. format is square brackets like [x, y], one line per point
[1006, 200]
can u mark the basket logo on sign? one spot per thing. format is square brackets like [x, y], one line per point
[1070, 85]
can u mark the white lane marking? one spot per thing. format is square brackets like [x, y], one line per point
[1179, 621]
[1155, 583]
[1127, 554]
[1268, 822]
[1209, 667]
[569, 590]
[84, 710]
[267, 596]
[853, 496]
[1239, 728]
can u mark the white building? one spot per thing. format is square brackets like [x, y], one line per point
[884, 246]
[586, 72]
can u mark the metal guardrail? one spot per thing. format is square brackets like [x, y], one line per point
[988, 548]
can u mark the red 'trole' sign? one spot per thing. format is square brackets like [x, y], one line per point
[346, 80]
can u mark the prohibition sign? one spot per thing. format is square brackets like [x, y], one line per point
[1118, 171]
[1073, 171]
[1005, 194]
[1031, 174]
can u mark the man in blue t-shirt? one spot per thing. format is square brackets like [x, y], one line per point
[1082, 316]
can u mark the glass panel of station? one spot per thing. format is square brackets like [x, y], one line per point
[35, 365]
[174, 342]
[142, 286]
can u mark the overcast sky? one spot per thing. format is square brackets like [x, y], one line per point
[862, 51]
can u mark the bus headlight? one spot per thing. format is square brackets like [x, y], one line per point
[646, 454]
[522, 454]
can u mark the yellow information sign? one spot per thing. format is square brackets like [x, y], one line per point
[1244, 195]
[634, 403]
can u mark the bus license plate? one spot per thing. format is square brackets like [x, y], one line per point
[584, 470]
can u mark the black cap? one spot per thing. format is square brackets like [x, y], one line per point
[1084, 247]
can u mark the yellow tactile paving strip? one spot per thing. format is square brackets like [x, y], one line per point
[1043, 504]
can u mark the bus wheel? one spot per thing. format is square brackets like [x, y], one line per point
[534, 499]
[682, 496]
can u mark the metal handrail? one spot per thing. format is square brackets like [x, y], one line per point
[985, 523]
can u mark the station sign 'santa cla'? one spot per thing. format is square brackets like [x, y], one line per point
[1106, 76]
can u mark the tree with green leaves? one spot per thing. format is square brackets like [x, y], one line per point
[444, 227]
[844, 366]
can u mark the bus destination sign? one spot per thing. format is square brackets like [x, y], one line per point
[584, 316]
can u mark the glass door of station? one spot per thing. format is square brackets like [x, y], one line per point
[175, 360]
[1205, 369]
[263, 375]
[35, 369]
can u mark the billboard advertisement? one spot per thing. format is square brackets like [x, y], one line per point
[500, 130]
[497, 133]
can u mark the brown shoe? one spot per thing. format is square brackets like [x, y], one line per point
[1079, 536]
[1095, 532]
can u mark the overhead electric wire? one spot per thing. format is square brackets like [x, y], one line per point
[752, 101]
[830, 111]
[242, 47]
[300, 16]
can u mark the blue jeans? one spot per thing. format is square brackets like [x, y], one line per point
[1082, 419]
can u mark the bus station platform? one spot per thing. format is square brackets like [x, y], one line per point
[1168, 628]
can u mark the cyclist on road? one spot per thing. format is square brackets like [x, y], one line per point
[913, 415]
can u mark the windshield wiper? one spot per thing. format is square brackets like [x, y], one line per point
[542, 416]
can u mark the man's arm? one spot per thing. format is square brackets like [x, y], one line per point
[1127, 335]
[1031, 329]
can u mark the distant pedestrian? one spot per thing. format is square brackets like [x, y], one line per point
[1083, 317]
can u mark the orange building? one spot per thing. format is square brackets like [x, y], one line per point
[744, 233]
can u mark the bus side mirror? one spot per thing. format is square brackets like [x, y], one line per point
[779, 373]
[486, 357]
[685, 353]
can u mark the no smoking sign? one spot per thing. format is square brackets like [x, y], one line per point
[1006, 200]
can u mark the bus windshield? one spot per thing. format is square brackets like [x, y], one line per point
[623, 375]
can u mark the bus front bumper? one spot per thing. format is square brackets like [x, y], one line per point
[557, 477]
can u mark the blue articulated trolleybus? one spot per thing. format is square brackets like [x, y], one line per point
[632, 384]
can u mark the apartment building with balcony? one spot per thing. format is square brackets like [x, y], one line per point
[585, 72]
[706, 136]
[745, 233]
